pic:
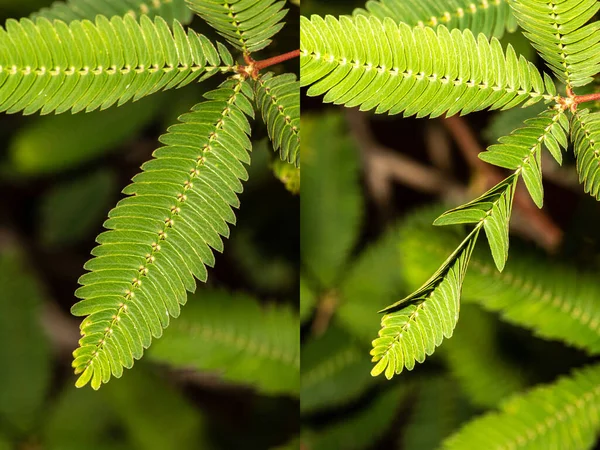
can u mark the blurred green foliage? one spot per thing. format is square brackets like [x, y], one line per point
[58, 142]
[70, 210]
[25, 352]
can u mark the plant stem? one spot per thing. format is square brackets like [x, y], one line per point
[587, 98]
[575, 100]
[259, 65]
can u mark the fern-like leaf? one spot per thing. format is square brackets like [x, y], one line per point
[278, 99]
[235, 335]
[521, 150]
[161, 236]
[563, 415]
[71, 10]
[491, 18]
[248, 25]
[418, 71]
[413, 327]
[556, 29]
[86, 66]
[554, 301]
[585, 135]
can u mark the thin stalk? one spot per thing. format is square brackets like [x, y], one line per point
[254, 67]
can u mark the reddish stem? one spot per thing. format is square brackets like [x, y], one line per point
[259, 65]
[572, 100]
[586, 98]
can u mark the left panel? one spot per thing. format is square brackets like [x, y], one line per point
[149, 224]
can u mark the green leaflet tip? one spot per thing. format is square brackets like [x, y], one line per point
[85, 377]
[379, 367]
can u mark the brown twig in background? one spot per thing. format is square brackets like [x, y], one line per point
[326, 307]
[383, 166]
[438, 147]
[539, 226]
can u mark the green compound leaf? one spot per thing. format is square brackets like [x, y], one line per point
[71, 10]
[521, 150]
[553, 300]
[413, 327]
[248, 25]
[161, 235]
[85, 66]
[415, 71]
[490, 17]
[585, 135]
[493, 210]
[236, 336]
[278, 99]
[556, 29]
[565, 415]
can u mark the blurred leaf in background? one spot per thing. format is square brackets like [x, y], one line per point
[24, 349]
[71, 209]
[233, 334]
[53, 143]
[331, 202]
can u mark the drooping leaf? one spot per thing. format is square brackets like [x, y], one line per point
[278, 99]
[564, 414]
[553, 300]
[70, 10]
[491, 18]
[413, 327]
[233, 335]
[394, 68]
[247, 25]
[161, 236]
[57, 67]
